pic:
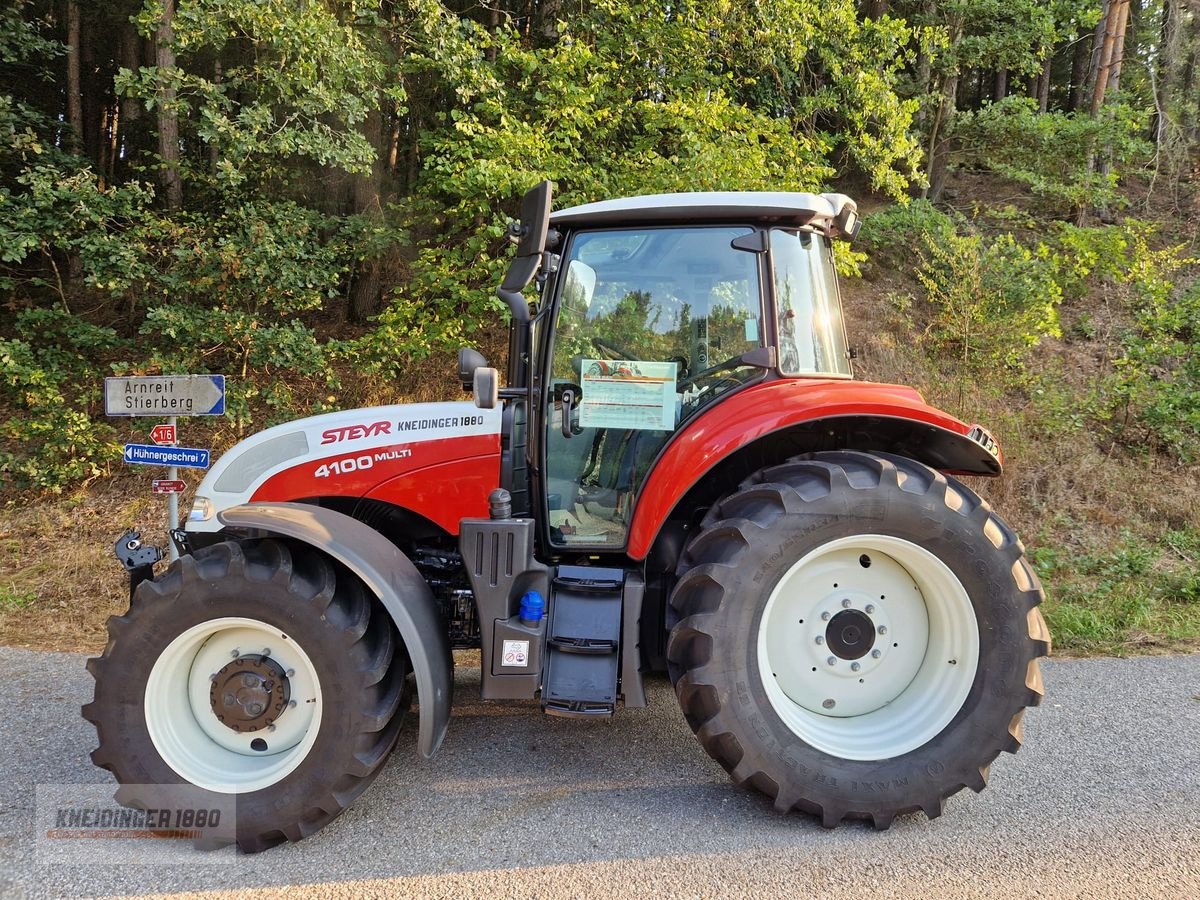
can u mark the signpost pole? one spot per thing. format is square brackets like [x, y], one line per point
[173, 498]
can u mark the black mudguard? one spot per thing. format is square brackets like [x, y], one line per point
[389, 575]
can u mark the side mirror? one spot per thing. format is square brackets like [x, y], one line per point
[468, 361]
[486, 387]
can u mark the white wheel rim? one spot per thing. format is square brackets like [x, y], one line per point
[912, 677]
[186, 731]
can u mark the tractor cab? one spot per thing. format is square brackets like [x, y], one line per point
[652, 309]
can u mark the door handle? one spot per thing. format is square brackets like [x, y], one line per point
[568, 402]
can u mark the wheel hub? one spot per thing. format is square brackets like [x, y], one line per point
[249, 693]
[850, 635]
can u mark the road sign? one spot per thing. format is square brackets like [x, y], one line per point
[165, 395]
[163, 434]
[150, 455]
[167, 486]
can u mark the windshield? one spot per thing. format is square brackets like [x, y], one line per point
[812, 337]
[651, 327]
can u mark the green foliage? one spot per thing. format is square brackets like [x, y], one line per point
[48, 382]
[1053, 153]
[988, 299]
[1159, 372]
[1108, 598]
[897, 229]
[310, 79]
[630, 98]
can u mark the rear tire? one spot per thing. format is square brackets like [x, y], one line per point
[257, 610]
[856, 636]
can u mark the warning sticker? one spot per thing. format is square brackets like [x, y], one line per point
[516, 653]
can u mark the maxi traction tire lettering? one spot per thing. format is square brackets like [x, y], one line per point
[745, 545]
[351, 642]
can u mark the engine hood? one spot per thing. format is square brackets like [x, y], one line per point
[356, 452]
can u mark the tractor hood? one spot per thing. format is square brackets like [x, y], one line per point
[437, 459]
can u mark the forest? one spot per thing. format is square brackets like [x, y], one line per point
[311, 196]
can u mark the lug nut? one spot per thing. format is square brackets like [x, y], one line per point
[270, 728]
[870, 608]
[236, 653]
[832, 660]
[883, 629]
[291, 703]
[290, 673]
[820, 640]
[266, 651]
[846, 603]
[875, 654]
[829, 704]
[854, 667]
[825, 617]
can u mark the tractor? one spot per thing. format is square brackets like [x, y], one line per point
[679, 474]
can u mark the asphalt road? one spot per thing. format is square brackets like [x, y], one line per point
[1103, 801]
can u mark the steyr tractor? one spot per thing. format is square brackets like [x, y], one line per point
[678, 474]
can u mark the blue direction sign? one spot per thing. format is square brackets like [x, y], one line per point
[165, 395]
[150, 455]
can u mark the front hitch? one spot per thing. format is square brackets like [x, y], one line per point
[137, 558]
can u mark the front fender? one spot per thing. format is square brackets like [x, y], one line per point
[388, 574]
[813, 415]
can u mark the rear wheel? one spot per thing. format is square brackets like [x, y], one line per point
[253, 671]
[856, 636]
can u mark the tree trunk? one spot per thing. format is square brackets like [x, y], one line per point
[1117, 11]
[939, 144]
[1000, 85]
[168, 120]
[924, 74]
[1118, 54]
[1080, 55]
[74, 94]
[1042, 84]
[1168, 53]
[1098, 42]
[876, 9]
[129, 54]
[365, 291]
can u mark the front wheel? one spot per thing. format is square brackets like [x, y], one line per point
[254, 671]
[856, 636]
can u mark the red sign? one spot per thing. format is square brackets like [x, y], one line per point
[163, 434]
[167, 486]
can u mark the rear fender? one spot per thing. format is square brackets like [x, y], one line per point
[391, 577]
[768, 423]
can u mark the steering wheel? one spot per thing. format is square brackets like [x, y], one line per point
[612, 351]
[713, 370]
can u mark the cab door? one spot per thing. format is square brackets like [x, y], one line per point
[650, 325]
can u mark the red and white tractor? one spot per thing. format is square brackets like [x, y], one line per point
[680, 474]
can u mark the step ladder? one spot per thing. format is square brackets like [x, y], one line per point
[583, 642]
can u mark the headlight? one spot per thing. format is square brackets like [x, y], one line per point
[202, 510]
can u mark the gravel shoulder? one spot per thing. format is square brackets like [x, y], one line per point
[1104, 801]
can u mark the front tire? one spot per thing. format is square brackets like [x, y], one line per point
[856, 636]
[251, 670]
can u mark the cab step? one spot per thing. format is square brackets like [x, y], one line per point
[583, 642]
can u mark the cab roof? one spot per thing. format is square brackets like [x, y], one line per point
[773, 207]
